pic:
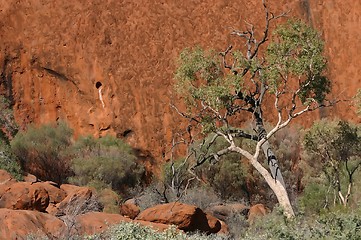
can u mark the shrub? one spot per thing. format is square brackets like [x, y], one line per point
[8, 126]
[134, 231]
[110, 200]
[8, 161]
[333, 225]
[201, 196]
[227, 176]
[42, 151]
[314, 198]
[333, 155]
[105, 162]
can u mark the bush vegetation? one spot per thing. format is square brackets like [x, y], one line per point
[8, 161]
[337, 224]
[332, 158]
[42, 151]
[105, 162]
[134, 231]
[8, 126]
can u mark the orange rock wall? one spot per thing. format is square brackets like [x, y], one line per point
[53, 53]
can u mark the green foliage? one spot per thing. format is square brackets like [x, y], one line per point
[332, 155]
[334, 225]
[227, 175]
[134, 231]
[109, 199]
[200, 77]
[8, 161]
[314, 198]
[8, 126]
[296, 52]
[42, 151]
[104, 162]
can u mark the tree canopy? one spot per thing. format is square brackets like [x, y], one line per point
[283, 78]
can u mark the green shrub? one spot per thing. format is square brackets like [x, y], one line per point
[8, 126]
[227, 176]
[134, 231]
[332, 156]
[105, 162]
[332, 225]
[314, 198]
[42, 151]
[8, 161]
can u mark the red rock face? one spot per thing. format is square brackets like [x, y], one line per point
[107, 66]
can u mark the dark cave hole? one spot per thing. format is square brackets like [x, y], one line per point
[98, 85]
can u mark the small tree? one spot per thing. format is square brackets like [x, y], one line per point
[283, 80]
[42, 151]
[334, 149]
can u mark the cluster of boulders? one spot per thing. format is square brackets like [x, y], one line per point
[46, 209]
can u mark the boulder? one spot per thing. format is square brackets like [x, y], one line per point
[96, 222]
[78, 200]
[25, 196]
[18, 224]
[69, 188]
[185, 217]
[224, 228]
[223, 211]
[6, 178]
[56, 195]
[155, 226]
[131, 201]
[256, 211]
[129, 210]
[30, 178]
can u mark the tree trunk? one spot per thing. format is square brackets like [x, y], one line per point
[266, 148]
[277, 187]
[275, 178]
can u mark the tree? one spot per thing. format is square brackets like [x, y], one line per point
[334, 149]
[284, 79]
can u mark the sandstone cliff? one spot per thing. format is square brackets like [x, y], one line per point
[107, 66]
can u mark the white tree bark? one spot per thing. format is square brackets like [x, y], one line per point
[277, 187]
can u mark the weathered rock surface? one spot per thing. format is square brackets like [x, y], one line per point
[107, 66]
[24, 195]
[96, 222]
[256, 211]
[56, 195]
[71, 212]
[30, 178]
[78, 200]
[5, 178]
[18, 224]
[223, 211]
[129, 210]
[185, 217]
